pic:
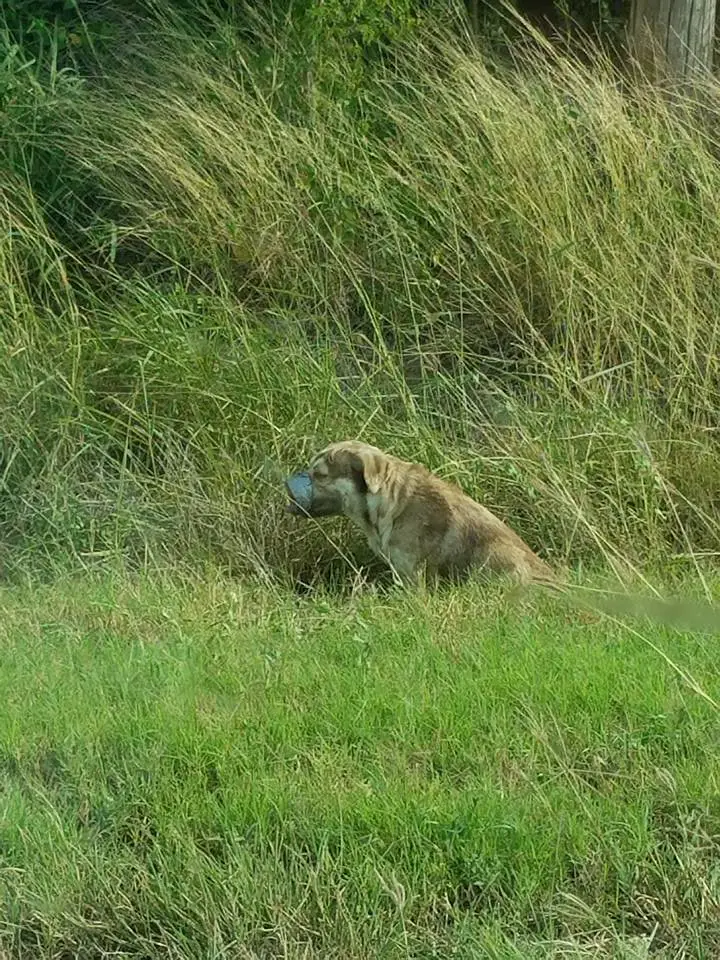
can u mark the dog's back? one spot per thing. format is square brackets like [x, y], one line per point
[456, 533]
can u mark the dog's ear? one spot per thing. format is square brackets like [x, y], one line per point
[369, 466]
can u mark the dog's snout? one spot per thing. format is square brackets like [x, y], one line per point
[299, 488]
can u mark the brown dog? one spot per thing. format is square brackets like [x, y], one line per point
[413, 519]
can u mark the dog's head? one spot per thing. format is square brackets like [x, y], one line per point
[337, 481]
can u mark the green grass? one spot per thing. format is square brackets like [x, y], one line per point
[216, 258]
[217, 261]
[207, 769]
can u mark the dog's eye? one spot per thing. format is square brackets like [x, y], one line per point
[320, 473]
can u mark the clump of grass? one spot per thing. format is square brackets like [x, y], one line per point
[508, 272]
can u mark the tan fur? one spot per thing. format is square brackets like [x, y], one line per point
[417, 522]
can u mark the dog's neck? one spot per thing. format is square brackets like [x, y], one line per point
[372, 517]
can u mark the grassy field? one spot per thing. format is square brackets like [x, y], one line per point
[206, 769]
[220, 736]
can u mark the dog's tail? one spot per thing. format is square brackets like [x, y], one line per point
[679, 613]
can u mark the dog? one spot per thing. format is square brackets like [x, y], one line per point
[419, 524]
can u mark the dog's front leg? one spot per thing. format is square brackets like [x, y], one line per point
[404, 568]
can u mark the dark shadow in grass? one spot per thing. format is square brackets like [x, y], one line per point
[340, 577]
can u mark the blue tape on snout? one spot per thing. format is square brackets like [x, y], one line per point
[300, 489]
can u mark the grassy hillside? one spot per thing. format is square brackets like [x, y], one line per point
[197, 770]
[216, 261]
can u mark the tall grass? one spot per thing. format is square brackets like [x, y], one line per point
[507, 271]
